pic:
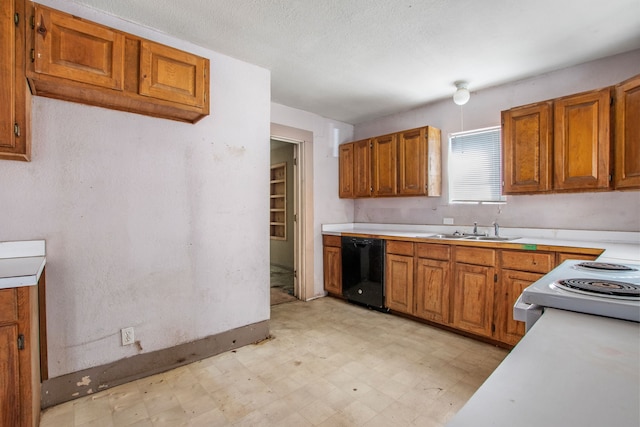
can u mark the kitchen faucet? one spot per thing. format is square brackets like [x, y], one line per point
[496, 228]
[475, 228]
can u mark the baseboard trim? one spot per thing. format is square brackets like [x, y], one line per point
[88, 381]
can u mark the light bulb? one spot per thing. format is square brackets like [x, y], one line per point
[462, 95]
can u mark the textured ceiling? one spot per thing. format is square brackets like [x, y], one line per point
[355, 60]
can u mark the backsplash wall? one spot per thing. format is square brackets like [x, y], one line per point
[617, 211]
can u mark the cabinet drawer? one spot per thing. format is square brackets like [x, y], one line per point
[332, 241]
[8, 305]
[399, 248]
[477, 256]
[536, 262]
[434, 251]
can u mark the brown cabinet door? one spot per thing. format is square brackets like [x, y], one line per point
[508, 290]
[627, 145]
[473, 298]
[399, 283]
[582, 141]
[78, 50]
[172, 75]
[333, 270]
[526, 149]
[14, 107]
[9, 376]
[384, 161]
[345, 171]
[412, 157]
[432, 290]
[362, 168]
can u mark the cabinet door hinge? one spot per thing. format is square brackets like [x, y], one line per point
[16, 18]
[16, 129]
[20, 342]
[33, 22]
[33, 55]
[295, 217]
[295, 161]
[295, 273]
[493, 328]
[610, 177]
[495, 278]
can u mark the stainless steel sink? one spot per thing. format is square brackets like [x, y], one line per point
[447, 236]
[491, 238]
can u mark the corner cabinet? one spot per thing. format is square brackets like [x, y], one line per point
[407, 163]
[80, 61]
[15, 143]
[627, 141]
[19, 357]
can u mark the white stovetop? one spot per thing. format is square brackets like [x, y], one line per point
[570, 369]
[21, 263]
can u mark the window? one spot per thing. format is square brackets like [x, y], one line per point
[475, 166]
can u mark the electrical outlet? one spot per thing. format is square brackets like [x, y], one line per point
[447, 221]
[127, 336]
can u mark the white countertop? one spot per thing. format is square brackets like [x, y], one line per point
[570, 369]
[21, 263]
[617, 245]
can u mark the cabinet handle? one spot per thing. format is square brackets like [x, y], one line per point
[20, 342]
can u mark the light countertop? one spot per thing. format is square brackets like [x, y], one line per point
[21, 263]
[570, 369]
[617, 245]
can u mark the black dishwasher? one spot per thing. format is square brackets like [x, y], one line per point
[363, 271]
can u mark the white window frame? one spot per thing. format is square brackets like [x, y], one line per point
[457, 163]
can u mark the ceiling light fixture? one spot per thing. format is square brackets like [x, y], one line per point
[462, 94]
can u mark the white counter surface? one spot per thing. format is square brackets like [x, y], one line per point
[617, 245]
[570, 369]
[21, 263]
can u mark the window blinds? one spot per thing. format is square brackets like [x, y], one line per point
[475, 166]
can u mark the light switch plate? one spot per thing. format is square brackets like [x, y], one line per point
[127, 335]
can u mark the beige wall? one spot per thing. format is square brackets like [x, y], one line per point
[590, 211]
[149, 223]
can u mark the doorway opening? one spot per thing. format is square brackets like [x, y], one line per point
[299, 231]
[282, 219]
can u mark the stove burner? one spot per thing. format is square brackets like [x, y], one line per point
[603, 287]
[604, 266]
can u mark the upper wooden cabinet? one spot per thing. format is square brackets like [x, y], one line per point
[15, 143]
[385, 165]
[171, 74]
[78, 60]
[566, 144]
[345, 166]
[582, 141]
[526, 148]
[419, 162]
[77, 50]
[627, 130]
[406, 163]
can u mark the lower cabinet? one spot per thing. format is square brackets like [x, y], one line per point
[19, 357]
[508, 289]
[332, 260]
[399, 276]
[432, 287]
[469, 288]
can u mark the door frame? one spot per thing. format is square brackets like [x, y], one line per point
[303, 206]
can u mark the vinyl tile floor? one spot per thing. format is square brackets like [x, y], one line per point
[327, 363]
